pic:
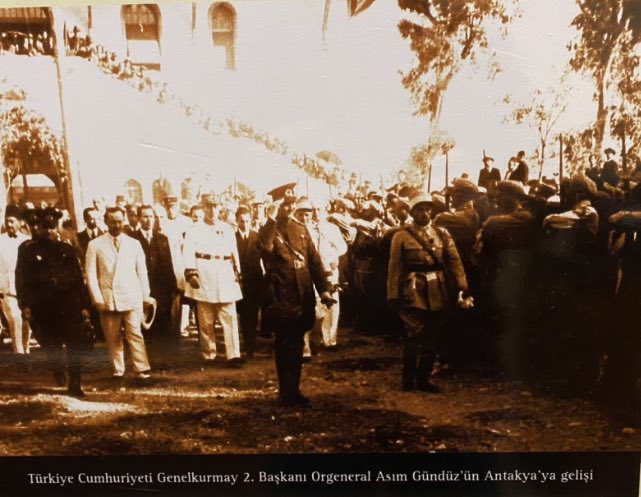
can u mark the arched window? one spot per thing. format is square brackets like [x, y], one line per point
[142, 29]
[223, 31]
[133, 192]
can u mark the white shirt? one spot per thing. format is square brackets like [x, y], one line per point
[8, 259]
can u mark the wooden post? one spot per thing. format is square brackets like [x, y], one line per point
[624, 153]
[560, 158]
[429, 178]
[447, 168]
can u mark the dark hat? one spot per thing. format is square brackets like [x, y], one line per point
[401, 202]
[242, 209]
[32, 216]
[13, 210]
[170, 200]
[540, 189]
[374, 195]
[209, 199]
[609, 150]
[510, 188]
[462, 191]
[487, 158]
[408, 191]
[284, 192]
[48, 217]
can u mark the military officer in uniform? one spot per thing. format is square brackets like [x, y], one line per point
[210, 257]
[424, 267]
[53, 297]
[293, 268]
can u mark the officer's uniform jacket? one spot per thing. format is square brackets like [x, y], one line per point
[49, 281]
[210, 252]
[293, 268]
[117, 278]
[421, 278]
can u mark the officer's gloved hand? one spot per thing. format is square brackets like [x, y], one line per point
[464, 302]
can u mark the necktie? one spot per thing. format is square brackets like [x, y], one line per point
[117, 244]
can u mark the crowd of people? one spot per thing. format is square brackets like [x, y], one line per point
[29, 44]
[528, 279]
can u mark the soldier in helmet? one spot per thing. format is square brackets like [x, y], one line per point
[424, 267]
[53, 297]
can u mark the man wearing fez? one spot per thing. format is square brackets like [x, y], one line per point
[424, 267]
[162, 337]
[488, 176]
[10, 240]
[293, 268]
[117, 279]
[212, 274]
[53, 297]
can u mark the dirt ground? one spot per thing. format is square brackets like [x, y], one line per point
[357, 408]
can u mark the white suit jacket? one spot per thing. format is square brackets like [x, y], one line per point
[117, 278]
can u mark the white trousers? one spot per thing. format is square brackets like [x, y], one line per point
[329, 325]
[119, 325]
[18, 328]
[208, 313]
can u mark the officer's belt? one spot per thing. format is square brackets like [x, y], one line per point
[210, 257]
[424, 268]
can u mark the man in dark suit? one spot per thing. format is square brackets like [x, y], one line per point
[488, 176]
[90, 216]
[162, 338]
[293, 268]
[522, 171]
[251, 278]
[610, 170]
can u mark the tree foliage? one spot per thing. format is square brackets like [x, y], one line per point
[444, 35]
[29, 146]
[542, 113]
[609, 31]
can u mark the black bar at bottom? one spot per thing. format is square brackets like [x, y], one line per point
[541, 474]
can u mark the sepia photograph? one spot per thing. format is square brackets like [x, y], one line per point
[269, 246]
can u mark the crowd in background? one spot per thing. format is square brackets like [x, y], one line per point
[554, 270]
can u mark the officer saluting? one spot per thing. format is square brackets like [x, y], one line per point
[53, 297]
[423, 266]
[292, 269]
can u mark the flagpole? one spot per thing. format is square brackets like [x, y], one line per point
[67, 185]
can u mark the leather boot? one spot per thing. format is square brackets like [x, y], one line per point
[74, 389]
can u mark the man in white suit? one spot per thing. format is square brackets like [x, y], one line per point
[119, 286]
[211, 259]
